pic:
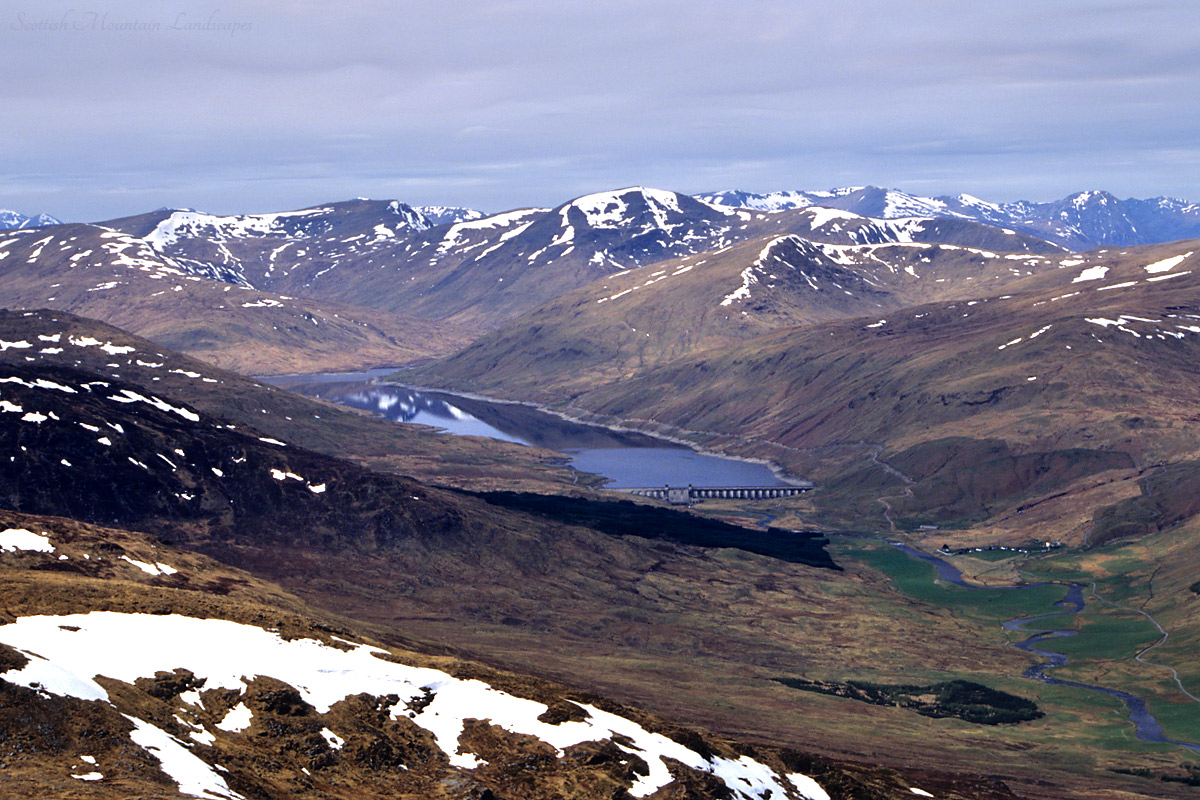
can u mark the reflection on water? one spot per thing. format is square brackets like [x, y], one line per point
[405, 405]
[626, 459]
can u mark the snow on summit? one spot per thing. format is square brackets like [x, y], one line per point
[611, 209]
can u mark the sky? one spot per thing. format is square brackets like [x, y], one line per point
[111, 108]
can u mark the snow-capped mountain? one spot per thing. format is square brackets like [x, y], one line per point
[1078, 222]
[446, 215]
[388, 216]
[625, 228]
[12, 220]
[485, 270]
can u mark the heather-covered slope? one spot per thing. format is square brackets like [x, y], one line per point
[113, 276]
[1054, 370]
[645, 317]
[130, 668]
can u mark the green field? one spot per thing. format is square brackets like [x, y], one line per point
[1106, 634]
[1102, 652]
[917, 579]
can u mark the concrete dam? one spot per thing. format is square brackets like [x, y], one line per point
[683, 495]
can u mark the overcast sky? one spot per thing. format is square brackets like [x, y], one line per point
[112, 107]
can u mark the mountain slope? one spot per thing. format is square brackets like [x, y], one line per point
[483, 271]
[639, 318]
[477, 269]
[128, 668]
[120, 278]
[1094, 356]
[442, 566]
[466, 462]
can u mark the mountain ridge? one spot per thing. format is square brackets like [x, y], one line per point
[13, 220]
[1079, 221]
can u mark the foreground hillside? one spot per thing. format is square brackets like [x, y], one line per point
[128, 668]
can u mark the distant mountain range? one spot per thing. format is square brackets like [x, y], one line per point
[381, 278]
[11, 219]
[391, 256]
[1078, 222]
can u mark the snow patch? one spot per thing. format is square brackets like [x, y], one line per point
[151, 569]
[67, 651]
[193, 776]
[1089, 274]
[1167, 264]
[14, 539]
[237, 720]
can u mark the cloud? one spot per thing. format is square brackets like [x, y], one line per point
[1031, 98]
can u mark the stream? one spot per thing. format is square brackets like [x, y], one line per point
[1148, 728]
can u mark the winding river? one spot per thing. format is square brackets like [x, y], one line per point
[1148, 728]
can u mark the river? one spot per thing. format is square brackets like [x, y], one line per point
[625, 458]
[1148, 728]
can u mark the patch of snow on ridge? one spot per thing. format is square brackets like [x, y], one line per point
[903, 229]
[335, 742]
[67, 652]
[14, 539]
[1157, 278]
[808, 788]
[773, 201]
[194, 777]
[1167, 264]
[899, 204]
[748, 276]
[237, 719]
[453, 237]
[195, 223]
[822, 216]
[151, 569]
[130, 396]
[608, 209]
[1090, 274]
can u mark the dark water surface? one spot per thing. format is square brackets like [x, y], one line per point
[626, 459]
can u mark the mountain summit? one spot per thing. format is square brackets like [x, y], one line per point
[11, 220]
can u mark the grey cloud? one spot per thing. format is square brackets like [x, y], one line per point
[498, 104]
